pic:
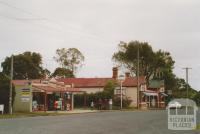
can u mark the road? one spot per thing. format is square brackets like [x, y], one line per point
[126, 122]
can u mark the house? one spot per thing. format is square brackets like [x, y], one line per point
[154, 96]
[93, 85]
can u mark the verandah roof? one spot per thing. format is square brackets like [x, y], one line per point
[42, 88]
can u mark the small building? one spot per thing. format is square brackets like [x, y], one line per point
[154, 96]
[43, 95]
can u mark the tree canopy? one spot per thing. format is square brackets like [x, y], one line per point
[151, 63]
[70, 58]
[4, 91]
[26, 66]
[63, 72]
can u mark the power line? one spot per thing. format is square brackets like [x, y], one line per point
[39, 18]
[19, 9]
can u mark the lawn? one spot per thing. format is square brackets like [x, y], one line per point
[198, 126]
[34, 114]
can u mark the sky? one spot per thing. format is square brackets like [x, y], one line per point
[96, 27]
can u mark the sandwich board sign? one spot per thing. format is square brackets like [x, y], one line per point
[182, 114]
[1, 108]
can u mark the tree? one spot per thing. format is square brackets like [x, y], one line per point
[63, 72]
[197, 98]
[26, 66]
[150, 62]
[181, 90]
[70, 58]
[5, 90]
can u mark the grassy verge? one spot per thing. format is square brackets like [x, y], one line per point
[34, 114]
[198, 126]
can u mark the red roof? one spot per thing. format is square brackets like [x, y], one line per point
[99, 82]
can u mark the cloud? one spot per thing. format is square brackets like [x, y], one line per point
[96, 27]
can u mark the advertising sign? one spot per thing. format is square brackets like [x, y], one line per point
[2, 108]
[25, 94]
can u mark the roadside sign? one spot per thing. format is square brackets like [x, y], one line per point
[2, 108]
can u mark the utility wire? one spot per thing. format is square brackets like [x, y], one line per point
[39, 18]
[19, 9]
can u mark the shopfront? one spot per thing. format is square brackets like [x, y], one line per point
[43, 96]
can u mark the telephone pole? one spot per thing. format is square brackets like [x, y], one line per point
[11, 78]
[187, 69]
[138, 75]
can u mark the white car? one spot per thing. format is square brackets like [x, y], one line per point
[174, 105]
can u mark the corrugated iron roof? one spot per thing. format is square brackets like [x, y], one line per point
[99, 82]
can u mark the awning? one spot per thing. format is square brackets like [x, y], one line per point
[50, 89]
[150, 94]
[164, 94]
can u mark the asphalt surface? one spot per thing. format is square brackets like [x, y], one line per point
[126, 122]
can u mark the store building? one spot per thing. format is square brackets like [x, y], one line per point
[43, 95]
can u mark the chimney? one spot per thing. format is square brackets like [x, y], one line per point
[127, 75]
[115, 72]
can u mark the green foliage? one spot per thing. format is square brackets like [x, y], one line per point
[63, 72]
[78, 100]
[5, 91]
[151, 63]
[105, 95]
[109, 89]
[70, 58]
[197, 98]
[26, 65]
[125, 102]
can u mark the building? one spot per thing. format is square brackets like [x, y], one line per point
[58, 94]
[43, 95]
[93, 85]
[154, 96]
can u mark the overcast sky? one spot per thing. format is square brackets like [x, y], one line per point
[96, 27]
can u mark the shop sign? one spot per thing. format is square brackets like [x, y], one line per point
[25, 94]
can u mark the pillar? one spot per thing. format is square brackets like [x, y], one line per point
[45, 101]
[72, 105]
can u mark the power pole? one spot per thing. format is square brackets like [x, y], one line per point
[11, 78]
[186, 69]
[138, 74]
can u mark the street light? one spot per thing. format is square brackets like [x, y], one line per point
[121, 78]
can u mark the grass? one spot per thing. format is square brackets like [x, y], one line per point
[33, 114]
[198, 126]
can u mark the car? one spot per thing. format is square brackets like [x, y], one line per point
[174, 105]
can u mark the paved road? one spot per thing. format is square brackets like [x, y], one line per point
[146, 122]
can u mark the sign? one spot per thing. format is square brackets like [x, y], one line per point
[162, 89]
[143, 88]
[118, 91]
[25, 94]
[2, 108]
